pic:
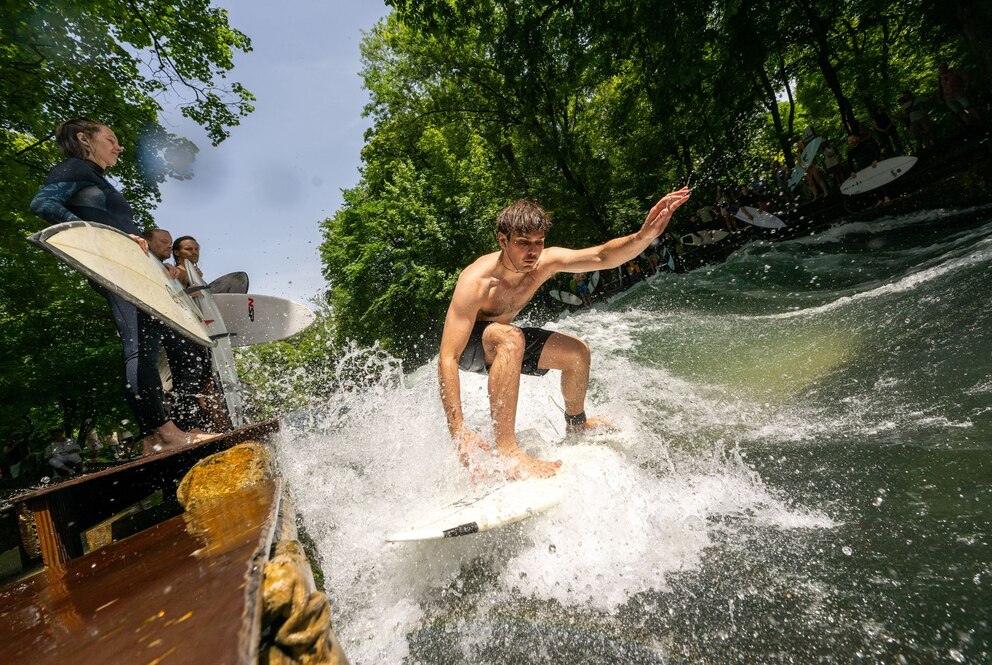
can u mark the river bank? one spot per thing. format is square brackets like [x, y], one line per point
[955, 174]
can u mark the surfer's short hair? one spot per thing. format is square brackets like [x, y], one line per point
[523, 216]
[67, 136]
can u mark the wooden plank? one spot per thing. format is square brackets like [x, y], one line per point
[57, 532]
[183, 591]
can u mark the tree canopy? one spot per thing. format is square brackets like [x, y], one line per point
[594, 108]
[117, 62]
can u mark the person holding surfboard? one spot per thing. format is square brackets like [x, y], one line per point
[77, 189]
[814, 178]
[186, 248]
[861, 154]
[194, 399]
[479, 335]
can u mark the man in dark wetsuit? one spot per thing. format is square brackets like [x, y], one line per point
[861, 153]
[479, 335]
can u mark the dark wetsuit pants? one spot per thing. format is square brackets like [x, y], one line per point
[473, 357]
[141, 336]
[191, 374]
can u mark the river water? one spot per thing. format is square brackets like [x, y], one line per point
[801, 472]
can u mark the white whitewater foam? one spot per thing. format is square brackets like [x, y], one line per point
[637, 511]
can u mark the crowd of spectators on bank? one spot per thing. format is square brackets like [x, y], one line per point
[885, 131]
[29, 457]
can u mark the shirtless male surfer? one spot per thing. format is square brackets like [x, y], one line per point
[479, 335]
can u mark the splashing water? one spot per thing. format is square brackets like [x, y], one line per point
[799, 472]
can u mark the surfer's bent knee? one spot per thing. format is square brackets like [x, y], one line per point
[506, 339]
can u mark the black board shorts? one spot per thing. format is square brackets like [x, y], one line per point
[474, 357]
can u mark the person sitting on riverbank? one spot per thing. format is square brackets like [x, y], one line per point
[62, 454]
[15, 452]
[952, 88]
[93, 445]
[650, 254]
[916, 111]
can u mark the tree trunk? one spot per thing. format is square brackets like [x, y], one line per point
[969, 20]
[822, 47]
[771, 102]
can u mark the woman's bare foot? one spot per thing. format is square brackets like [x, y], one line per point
[170, 436]
[152, 444]
[521, 465]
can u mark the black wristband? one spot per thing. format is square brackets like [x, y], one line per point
[576, 420]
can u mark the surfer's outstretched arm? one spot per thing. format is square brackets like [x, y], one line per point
[618, 251]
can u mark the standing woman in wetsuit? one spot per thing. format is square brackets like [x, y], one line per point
[76, 189]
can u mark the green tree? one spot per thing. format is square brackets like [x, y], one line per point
[594, 108]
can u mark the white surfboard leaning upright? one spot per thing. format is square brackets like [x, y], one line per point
[222, 355]
[760, 218]
[114, 261]
[807, 156]
[670, 261]
[593, 282]
[256, 319]
[874, 177]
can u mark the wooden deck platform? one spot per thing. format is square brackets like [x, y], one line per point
[183, 591]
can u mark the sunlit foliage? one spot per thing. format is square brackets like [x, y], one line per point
[594, 108]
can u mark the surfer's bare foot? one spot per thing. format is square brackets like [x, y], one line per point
[522, 465]
[594, 423]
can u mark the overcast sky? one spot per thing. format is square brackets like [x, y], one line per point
[257, 200]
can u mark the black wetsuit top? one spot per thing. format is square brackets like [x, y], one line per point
[76, 189]
[862, 155]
